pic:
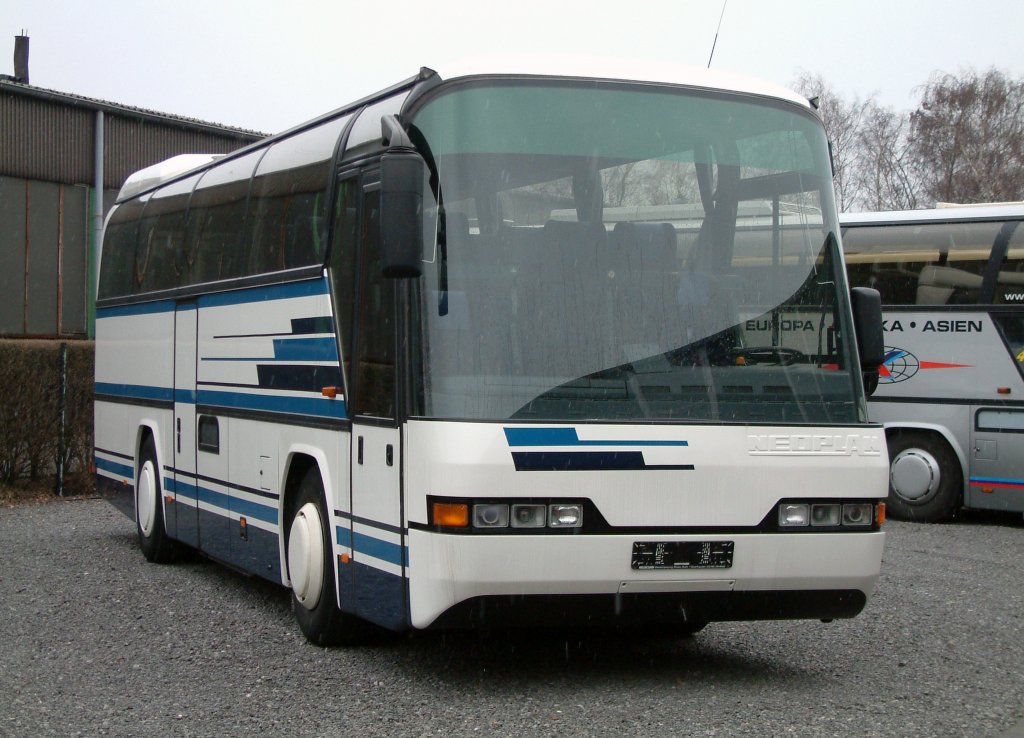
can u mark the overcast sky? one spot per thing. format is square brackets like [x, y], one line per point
[266, 65]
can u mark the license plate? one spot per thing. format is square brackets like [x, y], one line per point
[682, 554]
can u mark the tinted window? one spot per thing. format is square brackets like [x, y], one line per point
[343, 264]
[118, 261]
[921, 264]
[216, 221]
[1010, 279]
[160, 257]
[375, 340]
[289, 199]
[620, 253]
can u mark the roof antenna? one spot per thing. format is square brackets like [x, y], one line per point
[715, 43]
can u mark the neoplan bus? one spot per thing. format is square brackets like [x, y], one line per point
[440, 359]
[950, 393]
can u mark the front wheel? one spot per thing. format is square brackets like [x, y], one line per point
[310, 555]
[156, 545]
[925, 479]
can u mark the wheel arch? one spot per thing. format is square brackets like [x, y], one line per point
[298, 461]
[149, 428]
[946, 435]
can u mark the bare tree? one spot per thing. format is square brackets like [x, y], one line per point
[843, 120]
[967, 137]
[884, 172]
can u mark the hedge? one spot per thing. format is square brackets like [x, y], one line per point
[30, 412]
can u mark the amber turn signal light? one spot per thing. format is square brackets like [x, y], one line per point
[451, 515]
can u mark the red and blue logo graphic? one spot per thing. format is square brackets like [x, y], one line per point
[899, 365]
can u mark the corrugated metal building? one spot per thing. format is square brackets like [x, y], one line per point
[54, 150]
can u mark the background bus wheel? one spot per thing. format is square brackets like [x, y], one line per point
[310, 555]
[925, 480]
[156, 545]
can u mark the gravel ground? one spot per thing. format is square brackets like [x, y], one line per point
[95, 641]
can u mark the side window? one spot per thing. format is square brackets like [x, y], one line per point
[921, 263]
[117, 265]
[1010, 280]
[343, 266]
[160, 255]
[288, 205]
[375, 333]
[209, 434]
[1012, 328]
[216, 220]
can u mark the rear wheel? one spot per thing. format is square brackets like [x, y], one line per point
[925, 479]
[156, 545]
[310, 556]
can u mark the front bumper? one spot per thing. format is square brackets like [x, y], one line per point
[458, 580]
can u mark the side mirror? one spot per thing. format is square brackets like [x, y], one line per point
[402, 171]
[867, 326]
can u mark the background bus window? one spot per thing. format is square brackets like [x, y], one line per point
[1010, 281]
[1012, 328]
[923, 263]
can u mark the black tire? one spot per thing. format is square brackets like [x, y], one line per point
[156, 545]
[925, 478]
[314, 599]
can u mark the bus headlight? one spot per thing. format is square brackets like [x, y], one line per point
[529, 516]
[794, 515]
[490, 516]
[825, 515]
[565, 516]
[858, 514]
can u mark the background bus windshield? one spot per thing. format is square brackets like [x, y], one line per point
[614, 252]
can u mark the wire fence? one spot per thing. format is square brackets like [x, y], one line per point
[46, 414]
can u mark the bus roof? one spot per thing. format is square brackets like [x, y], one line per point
[947, 214]
[584, 67]
[552, 66]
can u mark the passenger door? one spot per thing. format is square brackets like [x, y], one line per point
[184, 523]
[378, 535]
[997, 431]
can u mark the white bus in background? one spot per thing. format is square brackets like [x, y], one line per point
[364, 358]
[950, 392]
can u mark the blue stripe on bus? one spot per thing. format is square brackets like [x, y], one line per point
[569, 437]
[185, 397]
[306, 349]
[246, 508]
[998, 480]
[392, 553]
[307, 288]
[123, 470]
[321, 407]
[135, 391]
[589, 461]
[292, 349]
[139, 308]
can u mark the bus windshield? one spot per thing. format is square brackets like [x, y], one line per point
[615, 252]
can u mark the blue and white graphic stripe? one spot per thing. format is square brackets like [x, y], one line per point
[562, 449]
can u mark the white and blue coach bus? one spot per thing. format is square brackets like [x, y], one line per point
[951, 390]
[473, 350]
